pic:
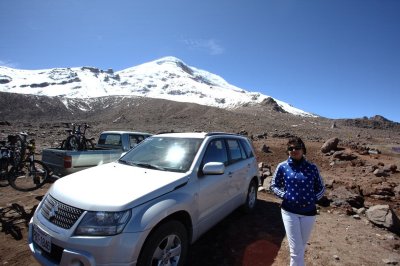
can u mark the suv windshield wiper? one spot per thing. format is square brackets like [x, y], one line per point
[124, 162]
[150, 166]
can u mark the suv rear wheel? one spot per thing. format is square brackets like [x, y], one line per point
[167, 245]
[251, 198]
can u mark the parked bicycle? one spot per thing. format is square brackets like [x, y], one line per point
[19, 166]
[5, 158]
[77, 141]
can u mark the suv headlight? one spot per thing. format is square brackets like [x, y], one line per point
[103, 223]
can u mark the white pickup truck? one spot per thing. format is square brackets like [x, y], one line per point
[147, 207]
[110, 146]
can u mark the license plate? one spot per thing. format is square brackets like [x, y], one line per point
[42, 239]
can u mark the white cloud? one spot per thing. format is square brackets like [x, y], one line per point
[210, 45]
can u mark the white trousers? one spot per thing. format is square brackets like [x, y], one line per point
[298, 230]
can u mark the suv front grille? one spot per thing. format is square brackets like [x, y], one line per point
[59, 213]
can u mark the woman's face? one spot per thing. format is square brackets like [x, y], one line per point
[296, 152]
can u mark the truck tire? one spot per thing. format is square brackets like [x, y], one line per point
[251, 198]
[166, 245]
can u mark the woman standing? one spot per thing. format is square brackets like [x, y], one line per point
[300, 185]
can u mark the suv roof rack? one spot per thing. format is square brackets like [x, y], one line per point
[220, 133]
[166, 132]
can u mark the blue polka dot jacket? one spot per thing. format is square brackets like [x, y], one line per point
[299, 184]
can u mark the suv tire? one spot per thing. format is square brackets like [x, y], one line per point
[166, 245]
[251, 197]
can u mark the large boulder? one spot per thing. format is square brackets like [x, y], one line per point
[390, 168]
[383, 215]
[380, 173]
[396, 192]
[381, 189]
[344, 156]
[330, 145]
[342, 197]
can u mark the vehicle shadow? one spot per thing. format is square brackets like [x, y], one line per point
[12, 219]
[242, 239]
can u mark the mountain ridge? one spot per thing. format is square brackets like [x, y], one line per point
[166, 78]
[172, 80]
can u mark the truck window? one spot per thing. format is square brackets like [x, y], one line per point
[135, 140]
[110, 139]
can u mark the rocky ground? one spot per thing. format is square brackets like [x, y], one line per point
[362, 172]
[340, 237]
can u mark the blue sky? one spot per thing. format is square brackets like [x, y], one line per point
[337, 59]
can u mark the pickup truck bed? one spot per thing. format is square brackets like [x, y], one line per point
[110, 146]
[64, 162]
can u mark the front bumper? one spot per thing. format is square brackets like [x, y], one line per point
[121, 249]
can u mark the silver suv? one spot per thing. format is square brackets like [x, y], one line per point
[147, 207]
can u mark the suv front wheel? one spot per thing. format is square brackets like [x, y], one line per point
[167, 245]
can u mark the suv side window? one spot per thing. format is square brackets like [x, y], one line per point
[247, 148]
[236, 151]
[216, 152]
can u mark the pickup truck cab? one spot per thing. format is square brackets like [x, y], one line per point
[110, 146]
[147, 207]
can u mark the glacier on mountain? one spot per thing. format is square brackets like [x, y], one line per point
[166, 78]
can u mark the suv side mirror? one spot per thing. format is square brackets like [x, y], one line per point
[213, 168]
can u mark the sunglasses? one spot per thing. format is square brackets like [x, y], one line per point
[297, 148]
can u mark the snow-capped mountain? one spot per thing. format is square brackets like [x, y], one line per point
[166, 78]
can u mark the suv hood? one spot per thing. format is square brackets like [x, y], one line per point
[114, 187]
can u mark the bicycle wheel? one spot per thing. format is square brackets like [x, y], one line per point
[89, 145]
[3, 178]
[4, 172]
[72, 143]
[63, 144]
[28, 176]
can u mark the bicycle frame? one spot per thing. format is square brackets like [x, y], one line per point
[25, 168]
[77, 139]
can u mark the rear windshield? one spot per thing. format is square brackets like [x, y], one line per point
[110, 139]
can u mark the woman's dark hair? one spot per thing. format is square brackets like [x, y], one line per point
[296, 141]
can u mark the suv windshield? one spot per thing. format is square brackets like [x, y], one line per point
[164, 153]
